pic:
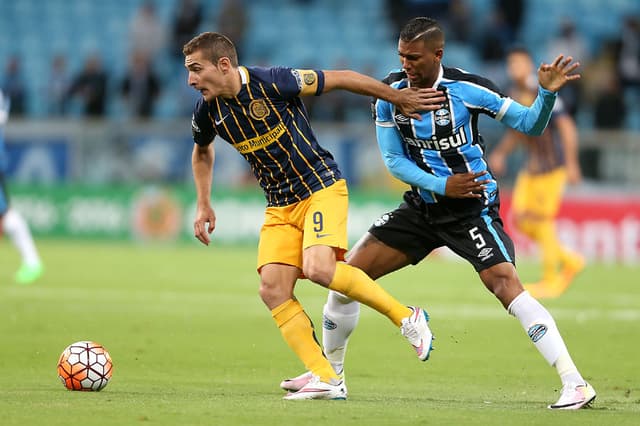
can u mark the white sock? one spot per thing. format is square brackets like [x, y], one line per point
[17, 229]
[339, 320]
[544, 334]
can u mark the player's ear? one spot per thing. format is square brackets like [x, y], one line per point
[224, 64]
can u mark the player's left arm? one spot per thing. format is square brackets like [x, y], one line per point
[534, 119]
[569, 137]
[410, 101]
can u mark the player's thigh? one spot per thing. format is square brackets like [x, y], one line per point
[280, 240]
[403, 230]
[522, 196]
[376, 258]
[325, 218]
[482, 241]
[548, 189]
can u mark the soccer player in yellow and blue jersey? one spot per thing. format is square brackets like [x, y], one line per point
[552, 161]
[259, 112]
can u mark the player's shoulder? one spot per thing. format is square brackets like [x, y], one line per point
[395, 78]
[460, 76]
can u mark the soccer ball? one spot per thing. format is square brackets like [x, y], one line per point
[85, 366]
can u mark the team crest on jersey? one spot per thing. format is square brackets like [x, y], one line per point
[382, 219]
[258, 109]
[443, 118]
[309, 78]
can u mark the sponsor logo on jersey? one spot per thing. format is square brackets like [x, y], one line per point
[485, 253]
[261, 141]
[536, 332]
[258, 109]
[328, 324]
[442, 116]
[454, 141]
[401, 118]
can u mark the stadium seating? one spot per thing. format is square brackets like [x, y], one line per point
[314, 33]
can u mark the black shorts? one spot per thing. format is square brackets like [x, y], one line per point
[480, 238]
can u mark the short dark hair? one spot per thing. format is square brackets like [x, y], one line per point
[518, 48]
[214, 46]
[424, 28]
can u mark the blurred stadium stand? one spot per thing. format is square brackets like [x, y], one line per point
[359, 34]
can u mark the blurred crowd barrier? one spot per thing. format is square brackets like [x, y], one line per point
[131, 180]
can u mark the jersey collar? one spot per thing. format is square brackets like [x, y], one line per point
[244, 75]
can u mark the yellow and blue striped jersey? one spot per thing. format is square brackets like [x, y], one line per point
[268, 124]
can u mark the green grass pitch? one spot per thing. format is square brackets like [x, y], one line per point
[192, 344]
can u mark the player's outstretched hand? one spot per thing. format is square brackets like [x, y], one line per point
[554, 76]
[466, 185]
[204, 224]
[414, 100]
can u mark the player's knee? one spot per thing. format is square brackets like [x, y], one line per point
[319, 272]
[272, 293]
[502, 281]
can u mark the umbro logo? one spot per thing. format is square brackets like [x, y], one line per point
[485, 253]
[401, 118]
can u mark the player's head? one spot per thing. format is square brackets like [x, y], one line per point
[211, 60]
[420, 48]
[519, 65]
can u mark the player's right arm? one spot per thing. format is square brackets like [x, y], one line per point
[202, 161]
[498, 157]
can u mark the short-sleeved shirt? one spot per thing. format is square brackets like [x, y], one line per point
[267, 123]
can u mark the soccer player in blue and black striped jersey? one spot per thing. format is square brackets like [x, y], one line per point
[260, 113]
[454, 197]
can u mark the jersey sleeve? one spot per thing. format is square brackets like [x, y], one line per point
[292, 82]
[201, 126]
[383, 113]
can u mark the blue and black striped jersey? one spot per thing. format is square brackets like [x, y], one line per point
[268, 124]
[447, 141]
[425, 153]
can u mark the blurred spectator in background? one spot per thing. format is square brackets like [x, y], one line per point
[14, 87]
[140, 86]
[569, 41]
[11, 221]
[495, 38]
[602, 89]
[147, 33]
[91, 86]
[628, 53]
[552, 161]
[460, 27]
[232, 22]
[512, 12]
[185, 25]
[58, 86]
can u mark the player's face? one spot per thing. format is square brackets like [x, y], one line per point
[204, 76]
[519, 67]
[421, 61]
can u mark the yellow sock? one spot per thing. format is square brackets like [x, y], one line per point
[550, 248]
[297, 330]
[354, 283]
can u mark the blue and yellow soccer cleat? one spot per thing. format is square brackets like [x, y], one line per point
[29, 273]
